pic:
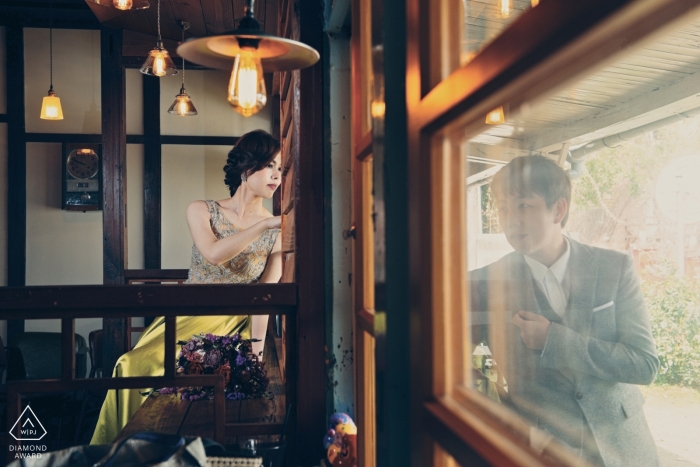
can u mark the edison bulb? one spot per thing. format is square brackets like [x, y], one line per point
[246, 90]
[506, 8]
[158, 64]
[123, 4]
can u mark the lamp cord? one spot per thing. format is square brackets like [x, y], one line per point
[183, 58]
[159, 39]
[51, 45]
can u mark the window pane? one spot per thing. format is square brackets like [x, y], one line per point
[483, 20]
[583, 219]
[463, 28]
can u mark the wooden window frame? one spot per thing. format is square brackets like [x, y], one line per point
[542, 50]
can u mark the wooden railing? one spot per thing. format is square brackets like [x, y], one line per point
[149, 276]
[68, 303]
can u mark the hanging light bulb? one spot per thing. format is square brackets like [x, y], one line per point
[246, 51]
[183, 105]
[246, 89]
[496, 116]
[534, 3]
[505, 7]
[51, 105]
[158, 62]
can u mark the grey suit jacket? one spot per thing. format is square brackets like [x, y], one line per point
[582, 384]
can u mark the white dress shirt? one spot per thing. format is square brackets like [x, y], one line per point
[551, 280]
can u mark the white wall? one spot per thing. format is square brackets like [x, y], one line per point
[76, 79]
[134, 102]
[215, 117]
[134, 206]
[341, 198]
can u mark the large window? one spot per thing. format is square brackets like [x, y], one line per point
[561, 327]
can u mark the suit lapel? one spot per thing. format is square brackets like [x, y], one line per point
[583, 274]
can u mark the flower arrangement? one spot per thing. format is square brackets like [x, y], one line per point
[244, 374]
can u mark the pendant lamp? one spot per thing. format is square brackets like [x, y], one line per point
[247, 52]
[158, 62]
[183, 105]
[496, 116]
[51, 105]
[123, 4]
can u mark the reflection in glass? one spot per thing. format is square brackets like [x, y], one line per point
[584, 261]
[486, 19]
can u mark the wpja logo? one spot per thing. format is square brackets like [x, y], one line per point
[30, 429]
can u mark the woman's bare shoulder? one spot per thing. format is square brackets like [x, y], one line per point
[197, 209]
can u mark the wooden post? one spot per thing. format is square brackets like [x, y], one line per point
[16, 169]
[309, 207]
[151, 172]
[114, 184]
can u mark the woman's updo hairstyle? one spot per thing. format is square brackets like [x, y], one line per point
[253, 151]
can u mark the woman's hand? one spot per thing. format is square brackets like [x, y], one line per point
[273, 222]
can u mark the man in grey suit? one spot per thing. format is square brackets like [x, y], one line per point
[566, 323]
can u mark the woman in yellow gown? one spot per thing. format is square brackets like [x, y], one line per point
[236, 241]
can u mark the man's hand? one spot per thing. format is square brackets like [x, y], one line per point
[534, 329]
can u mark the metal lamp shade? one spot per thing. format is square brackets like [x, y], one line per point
[276, 53]
[123, 4]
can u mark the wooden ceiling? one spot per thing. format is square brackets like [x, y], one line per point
[659, 79]
[206, 17]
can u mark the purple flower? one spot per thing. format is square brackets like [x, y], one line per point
[210, 337]
[167, 391]
[240, 360]
[226, 340]
[213, 358]
[191, 345]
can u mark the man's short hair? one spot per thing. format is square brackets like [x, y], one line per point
[526, 175]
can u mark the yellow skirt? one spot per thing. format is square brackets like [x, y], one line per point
[146, 359]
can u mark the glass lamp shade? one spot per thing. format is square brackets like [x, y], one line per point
[51, 107]
[158, 62]
[246, 90]
[182, 106]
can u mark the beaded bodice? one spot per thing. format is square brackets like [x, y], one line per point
[244, 268]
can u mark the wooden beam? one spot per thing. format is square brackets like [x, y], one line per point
[131, 139]
[16, 169]
[151, 172]
[86, 301]
[662, 102]
[310, 330]
[114, 185]
[66, 15]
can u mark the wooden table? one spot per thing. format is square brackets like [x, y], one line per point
[260, 418]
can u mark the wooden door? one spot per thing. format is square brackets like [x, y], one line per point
[363, 228]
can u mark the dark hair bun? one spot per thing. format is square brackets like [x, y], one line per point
[252, 152]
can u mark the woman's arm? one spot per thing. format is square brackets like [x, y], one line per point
[271, 274]
[218, 251]
[273, 268]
